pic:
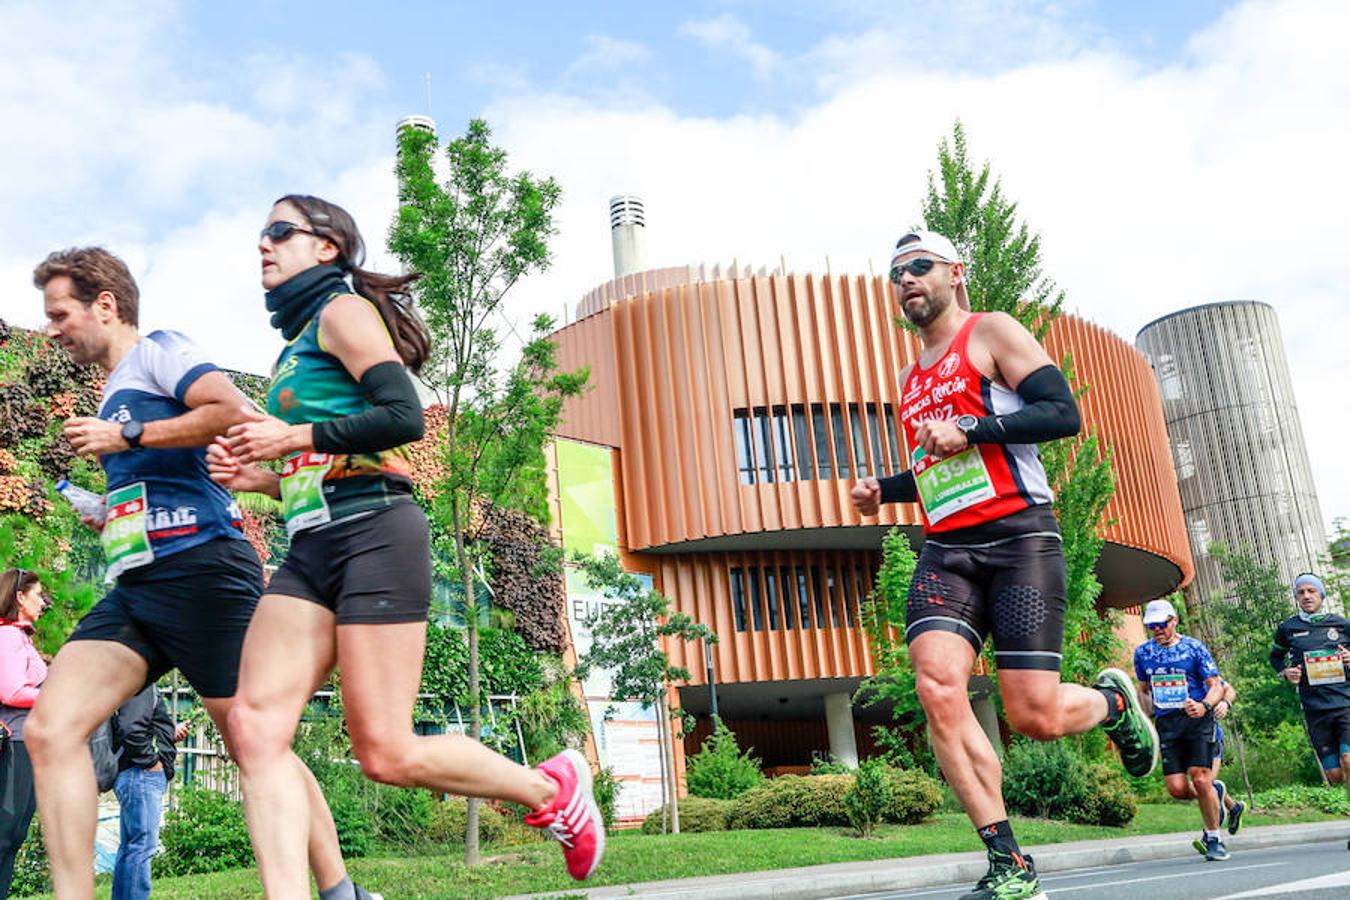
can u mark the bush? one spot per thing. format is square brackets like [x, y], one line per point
[205, 832]
[719, 769]
[448, 822]
[914, 796]
[1275, 758]
[605, 787]
[793, 801]
[696, 814]
[869, 796]
[1048, 780]
[32, 869]
[1303, 796]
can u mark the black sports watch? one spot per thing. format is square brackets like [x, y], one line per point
[1209, 707]
[131, 433]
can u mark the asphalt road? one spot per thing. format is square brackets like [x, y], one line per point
[1319, 871]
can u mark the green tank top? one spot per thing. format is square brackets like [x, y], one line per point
[309, 384]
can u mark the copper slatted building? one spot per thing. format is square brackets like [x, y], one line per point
[741, 410]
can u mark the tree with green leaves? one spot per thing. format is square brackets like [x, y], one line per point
[626, 638]
[473, 237]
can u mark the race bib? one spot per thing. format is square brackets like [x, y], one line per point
[126, 544]
[950, 484]
[1169, 690]
[1323, 667]
[302, 501]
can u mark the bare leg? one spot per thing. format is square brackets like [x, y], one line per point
[1044, 708]
[942, 666]
[1202, 781]
[381, 666]
[87, 683]
[287, 654]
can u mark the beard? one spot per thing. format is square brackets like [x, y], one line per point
[932, 306]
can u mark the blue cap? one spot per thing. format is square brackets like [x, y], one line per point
[1310, 578]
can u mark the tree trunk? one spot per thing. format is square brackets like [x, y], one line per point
[1242, 764]
[668, 742]
[472, 855]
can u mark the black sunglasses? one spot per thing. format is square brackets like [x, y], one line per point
[1157, 626]
[283, 231]
[916, 267]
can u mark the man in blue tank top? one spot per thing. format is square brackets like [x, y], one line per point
[186, 580]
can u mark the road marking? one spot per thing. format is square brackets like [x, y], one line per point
[1335, 879]
[1206, 872]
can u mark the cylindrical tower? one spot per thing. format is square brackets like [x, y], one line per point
[1241, 463]
[421, 123]
[627, 222]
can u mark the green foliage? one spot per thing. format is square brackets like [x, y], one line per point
[1003, 268]
[448, 818]
[794, 801]
[525, 573]
[696, 814]
[32, 868]
[1331, 800]
[1275, 758]
[868, 798]
[914, 796]
[204, 832]
[719, 769]
[605, 789]
[509, 666]
[1049, 780]
[552, 717]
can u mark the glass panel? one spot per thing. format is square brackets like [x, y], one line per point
[738, 597]
[782, 447]
[840, 439]
[820, 596]
[771, 595]
[874, 432]
[756, 607]
[847, 594]
[762, 438]
[785, 580]
[803, 597]
[801, 428]
[832, 592]
[820, 430]
[859, 443]
[893, 438]
[745, 459]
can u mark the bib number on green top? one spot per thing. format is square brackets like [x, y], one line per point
[302, 501]
[125, 541]
[950, 484]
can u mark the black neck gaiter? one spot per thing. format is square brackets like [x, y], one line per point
[294, 302]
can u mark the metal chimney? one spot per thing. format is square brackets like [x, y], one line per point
[627, 221]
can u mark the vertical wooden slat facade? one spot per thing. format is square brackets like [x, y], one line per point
[673, 365]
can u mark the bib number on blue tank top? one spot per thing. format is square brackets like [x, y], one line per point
[302, 501]
[1169, 690]
[126, 543]
[952, 483]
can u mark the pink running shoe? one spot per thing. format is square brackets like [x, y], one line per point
[573, 819]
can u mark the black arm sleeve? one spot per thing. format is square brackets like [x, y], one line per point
[1050, 412]
[1279, 651]
[899, 488]
[395, 420]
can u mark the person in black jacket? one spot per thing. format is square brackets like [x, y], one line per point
[1312, 650]
[144, 735]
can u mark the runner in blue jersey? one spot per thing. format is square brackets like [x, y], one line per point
[1180, 683]
[186, 580]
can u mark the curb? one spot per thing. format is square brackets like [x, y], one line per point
[844, 880]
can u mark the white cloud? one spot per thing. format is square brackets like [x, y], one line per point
[726, 32]
[608, 54]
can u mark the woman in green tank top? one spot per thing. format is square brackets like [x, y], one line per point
[355, 586]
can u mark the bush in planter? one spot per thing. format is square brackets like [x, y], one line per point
[696, 814]
[719, 769]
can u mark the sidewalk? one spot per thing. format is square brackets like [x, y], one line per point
[844, 879]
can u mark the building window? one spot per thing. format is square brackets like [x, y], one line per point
[874, 432]
[785, 583]
[820, 429]
[738, 597]
[801, 429]
[756, 607]
[762, 439]
[840, 439]
[771, 596]
[745, 458]
[803, 597]
[893, 439]
[782, 437]
[859, 442]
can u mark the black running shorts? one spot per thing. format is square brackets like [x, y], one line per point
[369, 569]
[187, 611]
[1186, 743]
[1330, 733]
[1005, 578]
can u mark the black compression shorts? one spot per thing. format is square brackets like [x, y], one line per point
[1006, 578]
[370, 568]
[1329, 730]
[189, 611]
[1186, 743]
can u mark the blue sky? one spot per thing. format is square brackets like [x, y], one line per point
[1159, 148]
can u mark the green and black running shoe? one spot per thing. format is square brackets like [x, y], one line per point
[1007, 880]
[1133, 733]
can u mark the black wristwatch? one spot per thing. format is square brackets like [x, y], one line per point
[1209, 707]
[131, 433]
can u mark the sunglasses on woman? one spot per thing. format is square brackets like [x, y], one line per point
[916, 267]
[283, 231]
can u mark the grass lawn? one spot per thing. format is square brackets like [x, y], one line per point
[633, 857]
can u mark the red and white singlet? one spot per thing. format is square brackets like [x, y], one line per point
[984, 482]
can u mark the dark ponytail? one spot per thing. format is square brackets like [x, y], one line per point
[389, 293]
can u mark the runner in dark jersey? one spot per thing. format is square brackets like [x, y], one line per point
[1180, 683]
[1312, 650]
[982, 394]
[186, 579]
[355, 587]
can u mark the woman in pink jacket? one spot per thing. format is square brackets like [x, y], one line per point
[22, 672]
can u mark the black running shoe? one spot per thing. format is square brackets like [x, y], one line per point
[1235, 817]
[1132, 733]
[1007, 880]
[1215, 850]
[1222, 790]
